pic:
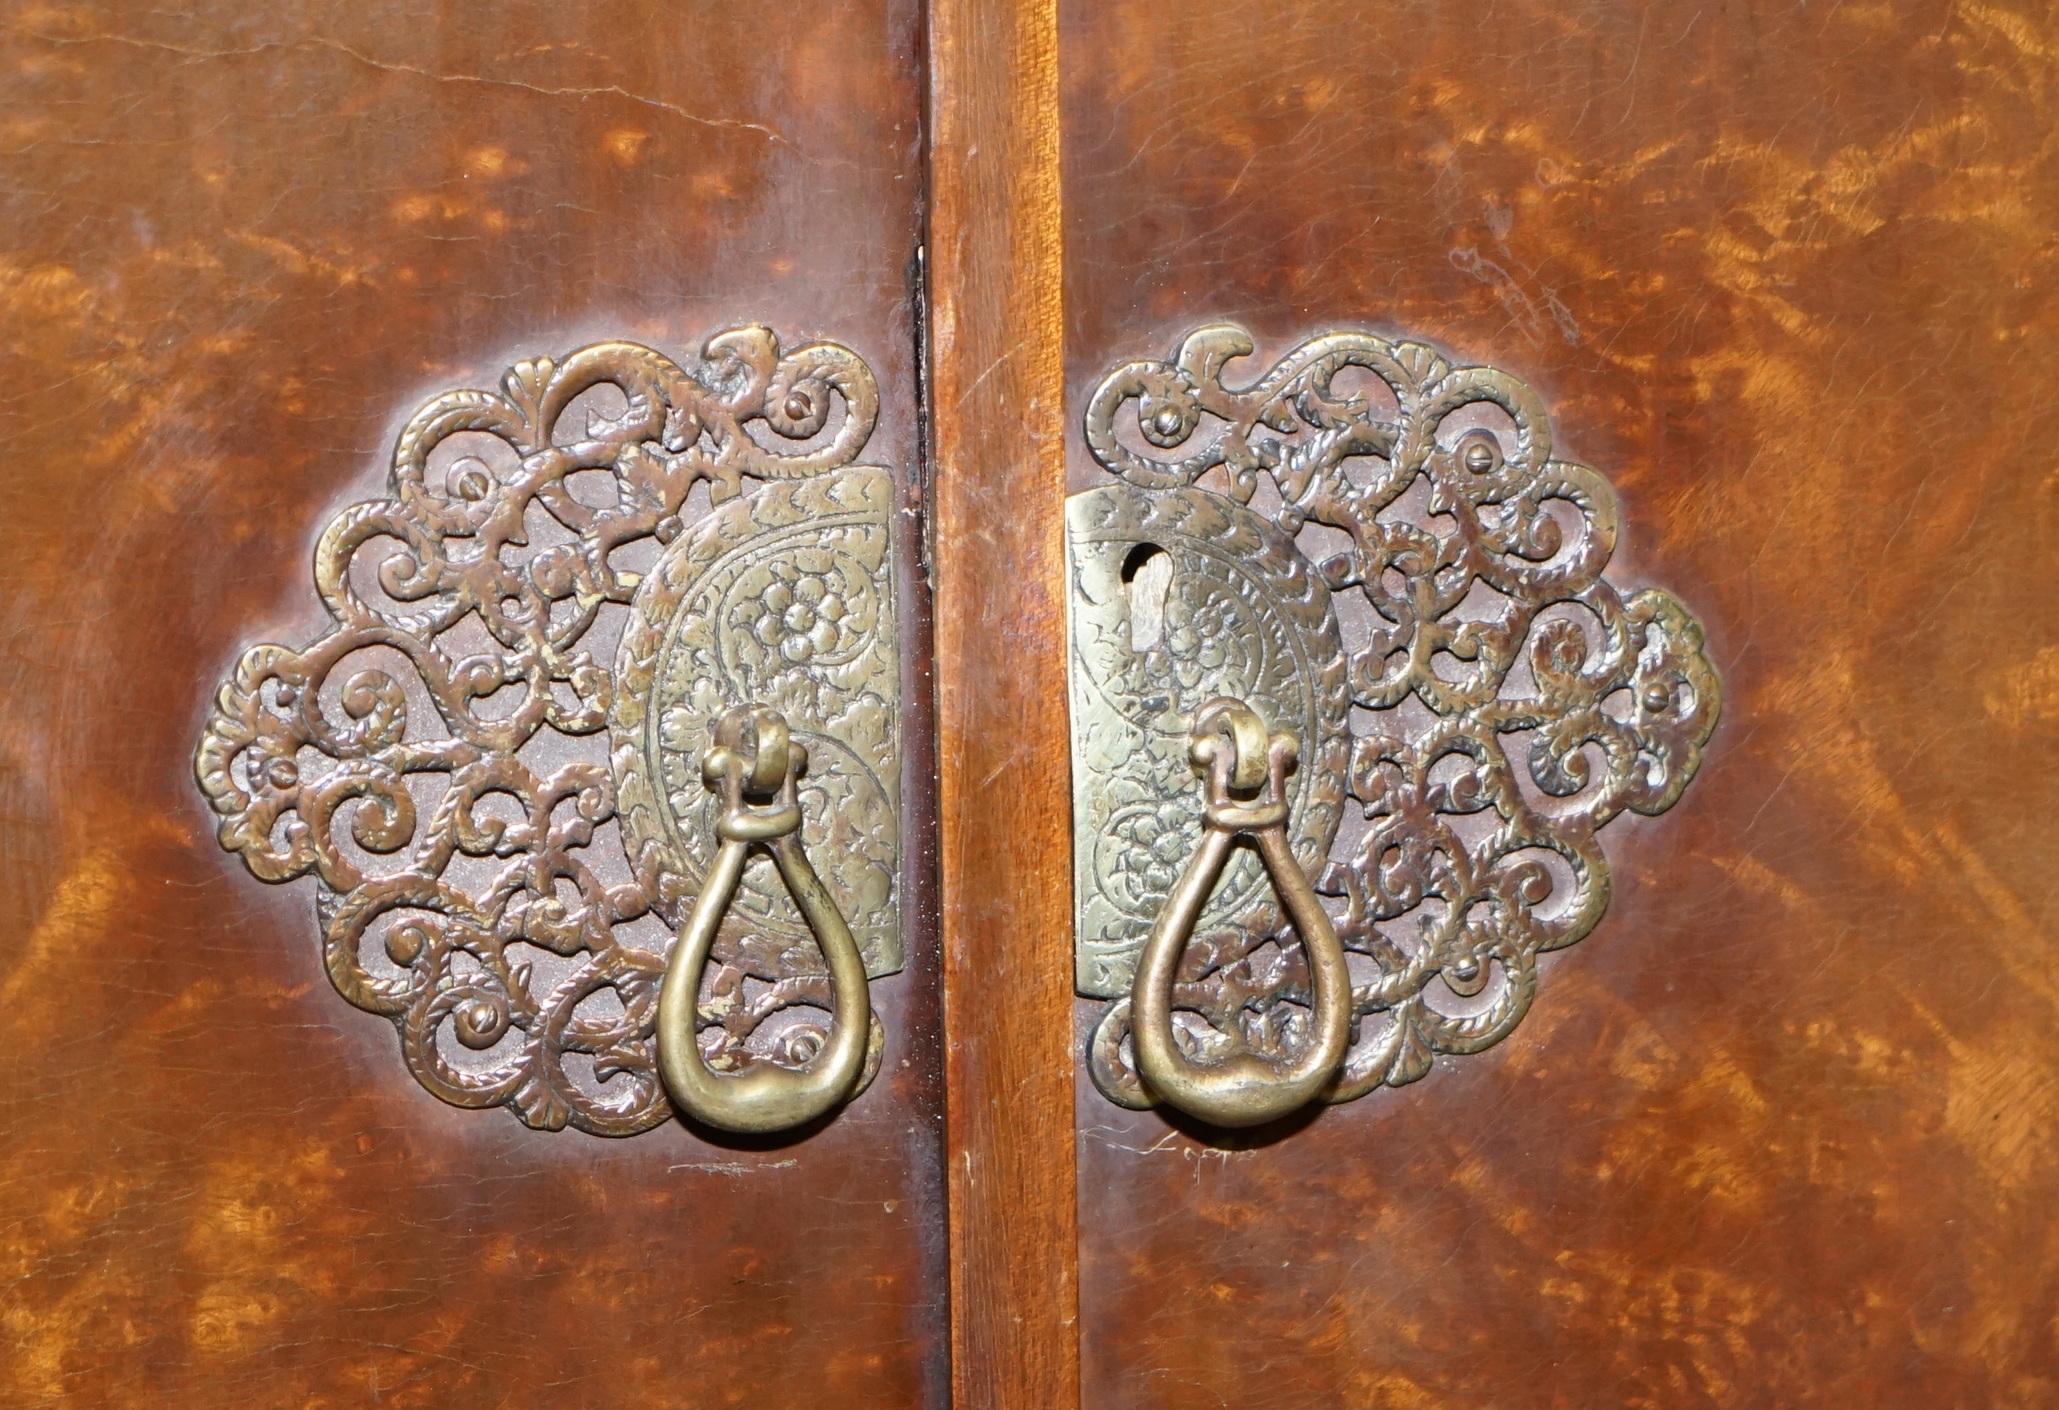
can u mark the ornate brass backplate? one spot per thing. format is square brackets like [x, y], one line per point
[490, 876]
[1237, 613]
[1501, 700]
[783, 598]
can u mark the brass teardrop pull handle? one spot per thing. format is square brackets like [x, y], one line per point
[1238, 755]
[753, 766]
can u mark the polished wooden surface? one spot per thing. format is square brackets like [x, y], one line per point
[1781, 1132]
[1004, 809]
[237, 246]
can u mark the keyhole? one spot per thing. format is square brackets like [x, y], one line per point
[1147, 578]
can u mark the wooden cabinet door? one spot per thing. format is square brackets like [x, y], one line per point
[1779, 1130]
[239, 246]
[1775, 283]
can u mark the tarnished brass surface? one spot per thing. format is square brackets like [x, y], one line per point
[783, 598]
[1506, 700]
[1788, 274]
[1233, 611]
[1244, 767]
[753, 768]
[437, 758]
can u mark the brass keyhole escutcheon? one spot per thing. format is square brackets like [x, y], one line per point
[1382, 552]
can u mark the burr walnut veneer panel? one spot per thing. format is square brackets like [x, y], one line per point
[238, 245]
[1781, 1131]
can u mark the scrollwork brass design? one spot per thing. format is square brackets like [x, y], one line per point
[1507, 701]
[437, 760]
[752, 767]
[1245, 768]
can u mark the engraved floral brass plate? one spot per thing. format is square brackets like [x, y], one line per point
[1503, 701]
[1236, 612]
[490, 876]
[783, 598]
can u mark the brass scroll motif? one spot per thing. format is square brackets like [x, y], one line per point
[752, 767]
[1506, 701]
[438, 758]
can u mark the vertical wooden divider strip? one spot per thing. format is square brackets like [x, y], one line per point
[996, 441]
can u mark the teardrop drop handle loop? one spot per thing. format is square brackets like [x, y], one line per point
[753, 767]
[1239, 755]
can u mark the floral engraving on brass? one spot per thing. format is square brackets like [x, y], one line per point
[439, 758]
[1237, 613]
[1506, 700]
[783, 600]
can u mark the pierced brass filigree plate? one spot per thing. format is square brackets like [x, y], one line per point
[1502, 703]
[488, 877]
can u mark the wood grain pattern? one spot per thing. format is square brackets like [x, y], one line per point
[237, 246]
[996, 395]
[1781, 1132]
